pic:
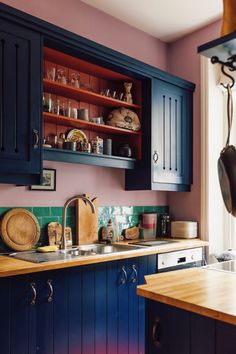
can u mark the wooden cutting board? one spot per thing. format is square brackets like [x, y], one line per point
[86, 222]
[20, 229]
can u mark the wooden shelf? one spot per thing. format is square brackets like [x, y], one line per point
[82, 124]
[84, 95]
[88, 159]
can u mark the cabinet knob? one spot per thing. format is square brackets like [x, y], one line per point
[36, 138]
[134, 274]
[34, 294]
[123, 277]
[50, 295]
[155, 156]
[156, 332]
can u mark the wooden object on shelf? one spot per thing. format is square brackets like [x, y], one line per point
[124, 118]
[86, 222]
[55, 233]
[229, 17]
[128, 96]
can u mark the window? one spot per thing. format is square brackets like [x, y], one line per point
[218, 226]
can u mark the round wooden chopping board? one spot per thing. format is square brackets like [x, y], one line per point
[20, 229]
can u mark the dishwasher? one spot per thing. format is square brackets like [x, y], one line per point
[188, 258]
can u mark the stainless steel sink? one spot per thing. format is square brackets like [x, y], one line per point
[73, 253]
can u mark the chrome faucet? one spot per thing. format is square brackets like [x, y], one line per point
[67, 203]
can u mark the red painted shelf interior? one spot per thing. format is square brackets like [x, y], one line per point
[82, 124]
[84, 95]
[97, 79]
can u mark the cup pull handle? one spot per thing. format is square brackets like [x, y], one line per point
[34, 294]
[156, 332]
[50, 295]
[123, 277]
[134, 274]
[155, 156]
[36, 138]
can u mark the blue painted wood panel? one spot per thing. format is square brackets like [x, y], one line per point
[88, 310]
[5, 345]
[20, 102]
[101, 301]
[75, 310]
[112, 307]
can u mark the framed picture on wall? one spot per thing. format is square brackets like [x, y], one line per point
[49, 181]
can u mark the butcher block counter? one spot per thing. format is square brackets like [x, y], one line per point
[10, 266]
[203, 291]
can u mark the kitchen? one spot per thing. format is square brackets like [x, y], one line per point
[106, 183]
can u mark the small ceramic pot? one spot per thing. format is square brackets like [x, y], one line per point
[125, 150]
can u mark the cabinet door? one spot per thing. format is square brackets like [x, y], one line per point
[225, 338]
[171, 136]
[20, 104]
[5, 315]
[168, 329]
[202, 335]
[48, 329]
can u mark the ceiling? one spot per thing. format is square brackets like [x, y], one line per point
[167, 20]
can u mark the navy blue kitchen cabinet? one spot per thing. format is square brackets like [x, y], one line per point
[83, 310]
[161, 152]
[167, 138]
[170, 330]
[20, 104]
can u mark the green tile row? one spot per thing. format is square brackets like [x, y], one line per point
[123, 217]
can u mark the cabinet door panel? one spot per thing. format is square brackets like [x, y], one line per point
[88, 310]
[112, 307]
[157, 336]
[133, 300]
[59, 282]
[5, 316]
[202, 335]
[225, 338]
[100, 308]
[179, 331]
[19, 315]
[75, 311]
[41, 317]
[171, 134]
[20, 99]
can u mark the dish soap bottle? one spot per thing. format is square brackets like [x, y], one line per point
[108, 232]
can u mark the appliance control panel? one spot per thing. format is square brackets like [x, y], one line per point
[177, 258]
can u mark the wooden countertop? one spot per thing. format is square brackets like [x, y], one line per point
[206, 292]
[10, 266]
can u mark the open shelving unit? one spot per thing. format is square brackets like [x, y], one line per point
[94, 80]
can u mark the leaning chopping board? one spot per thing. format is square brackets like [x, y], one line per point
[20, 229]
[86, 222]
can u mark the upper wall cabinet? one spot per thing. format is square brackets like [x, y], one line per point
[81, 82]
[20, 104]
[167, 151]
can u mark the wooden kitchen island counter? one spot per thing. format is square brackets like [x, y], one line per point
[196, 308]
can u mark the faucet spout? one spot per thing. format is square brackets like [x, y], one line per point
[67, 203]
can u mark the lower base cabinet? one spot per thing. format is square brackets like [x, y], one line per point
[170, 330]
[83, 310]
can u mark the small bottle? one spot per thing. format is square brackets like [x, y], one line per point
[61, 140]
[108, 232]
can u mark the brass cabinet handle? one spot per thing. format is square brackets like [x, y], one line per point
[155, 156]
[156, 332]
[34, 294]
[36, 138]
[134, 274]
[123, 277]
[50, 295]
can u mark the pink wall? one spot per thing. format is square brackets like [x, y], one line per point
[106, 183]
[185, 62]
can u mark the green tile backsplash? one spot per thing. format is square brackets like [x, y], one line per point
[122, 216]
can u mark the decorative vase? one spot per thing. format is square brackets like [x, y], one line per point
[229, 17]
